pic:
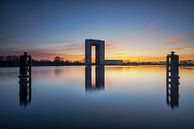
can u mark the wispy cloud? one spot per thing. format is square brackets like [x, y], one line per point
[68, 50]
[149, 28]
[184, 47]
[178, 39]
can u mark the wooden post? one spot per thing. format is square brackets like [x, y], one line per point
[25, 79]
[172, 79]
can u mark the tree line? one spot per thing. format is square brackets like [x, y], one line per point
[13, 61]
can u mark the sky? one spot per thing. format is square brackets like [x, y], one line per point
[133, 30]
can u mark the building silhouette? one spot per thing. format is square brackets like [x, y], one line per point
[100, 51]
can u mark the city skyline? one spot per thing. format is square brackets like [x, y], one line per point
[132, 30]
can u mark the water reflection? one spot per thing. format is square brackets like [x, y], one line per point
[98, 84]
[136, 98]
[172, 87]
[58, 71]
[172, 92]
[24, 91]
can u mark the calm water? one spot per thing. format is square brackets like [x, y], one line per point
[110, 97]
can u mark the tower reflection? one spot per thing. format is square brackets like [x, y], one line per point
[99, 78]
[172, 80]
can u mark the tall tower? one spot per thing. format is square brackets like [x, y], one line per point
[100, 51]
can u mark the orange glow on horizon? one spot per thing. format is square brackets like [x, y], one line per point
[80, 58]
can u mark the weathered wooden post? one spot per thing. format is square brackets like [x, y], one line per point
[172, 79]
[25, 79]
[25, 65]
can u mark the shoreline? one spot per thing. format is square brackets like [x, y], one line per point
[191, 65]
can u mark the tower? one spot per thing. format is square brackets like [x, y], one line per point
[100, 51]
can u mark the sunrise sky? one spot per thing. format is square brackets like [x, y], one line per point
[133, 30]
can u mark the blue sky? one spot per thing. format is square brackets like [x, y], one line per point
[131, 29]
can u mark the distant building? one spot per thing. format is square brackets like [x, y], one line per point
[162, 62]
[186, 62]
[113, 62]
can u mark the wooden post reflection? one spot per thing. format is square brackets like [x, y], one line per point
[172, 80]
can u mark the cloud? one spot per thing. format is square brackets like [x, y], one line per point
[62, 45]
[184, 47]
[149, 28]
[70, 50]
[178, 39]
[67, 51]
[110, 44]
